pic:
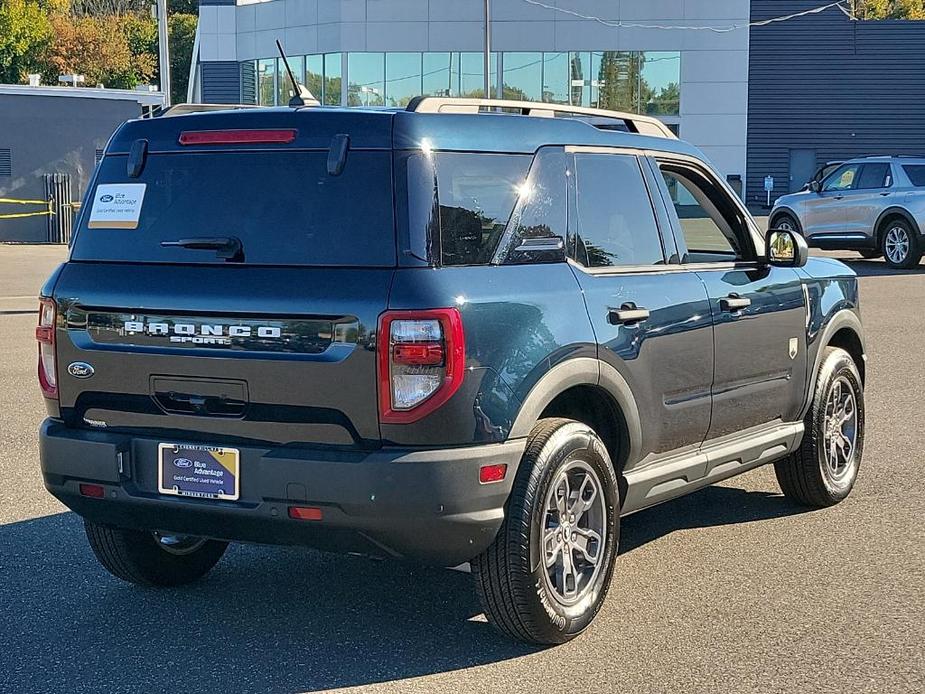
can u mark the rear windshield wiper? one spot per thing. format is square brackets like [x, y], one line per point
[228, 247]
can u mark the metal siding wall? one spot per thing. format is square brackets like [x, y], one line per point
[248, 83]
[221, 82]
[823, 82]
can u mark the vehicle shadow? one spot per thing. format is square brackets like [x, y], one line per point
[875, 268]
[267, 619]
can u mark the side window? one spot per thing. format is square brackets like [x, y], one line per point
[541, 211]
[615, 224]
[842, 178]
[476, 195]
[712, 228]
[874, 176]
[916, 174]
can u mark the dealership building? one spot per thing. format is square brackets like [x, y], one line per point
[761, 101]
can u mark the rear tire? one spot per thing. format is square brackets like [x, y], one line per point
[147, 559]
[900, 245]
[544, 578]
[823, 470]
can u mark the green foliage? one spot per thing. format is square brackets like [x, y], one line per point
[890, 9]
[25, 33]
[181, 29]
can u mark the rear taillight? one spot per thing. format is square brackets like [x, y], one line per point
[422, 362]
[45, 335]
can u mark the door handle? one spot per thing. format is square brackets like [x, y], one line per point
[884, 194]
[838, 197]
[627, 314]
[734, 302]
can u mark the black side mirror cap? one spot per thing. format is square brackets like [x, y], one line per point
[785, 248]
[814, 186]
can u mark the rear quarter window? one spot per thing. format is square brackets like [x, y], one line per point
[283, 206]
[916, 174]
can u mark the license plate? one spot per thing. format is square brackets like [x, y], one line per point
[205, 472]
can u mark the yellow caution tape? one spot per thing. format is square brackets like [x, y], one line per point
[18, 215]
[18, 201]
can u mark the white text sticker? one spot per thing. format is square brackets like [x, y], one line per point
[116, 206]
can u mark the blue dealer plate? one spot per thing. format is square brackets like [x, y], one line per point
[205, 472]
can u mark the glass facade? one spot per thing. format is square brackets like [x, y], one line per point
[637, 81]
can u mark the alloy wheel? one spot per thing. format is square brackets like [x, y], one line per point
[897, 244]
[574, 532]
[840, 430]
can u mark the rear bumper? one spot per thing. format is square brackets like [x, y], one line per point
[422, 504]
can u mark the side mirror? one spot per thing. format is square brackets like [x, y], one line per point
[815, 186]
[786, 248]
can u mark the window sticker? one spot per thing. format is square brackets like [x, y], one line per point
[116, 206]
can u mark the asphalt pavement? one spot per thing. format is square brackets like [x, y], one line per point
[732, 589]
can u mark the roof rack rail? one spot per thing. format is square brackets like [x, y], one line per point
[182, 109]
[600, 118]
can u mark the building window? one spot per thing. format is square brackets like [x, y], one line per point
[284, 90]
[522, 76]
[366, 75]
[661, 83]
[472, 75]
[266, 82]
[314, 76]
[403, 74]
[440, 74]
[332, 79]
[634, 81]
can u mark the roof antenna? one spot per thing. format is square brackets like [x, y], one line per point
[301, 95]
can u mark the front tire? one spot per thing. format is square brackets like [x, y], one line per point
[544, 578]
[152, 559]
[822, 472]
[786, 221]
[900, 245]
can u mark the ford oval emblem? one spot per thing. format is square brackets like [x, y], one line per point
[80, 369]
[183, 462]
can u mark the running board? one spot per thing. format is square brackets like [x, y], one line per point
[679, 475]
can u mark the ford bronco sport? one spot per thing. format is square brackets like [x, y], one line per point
[454, 333]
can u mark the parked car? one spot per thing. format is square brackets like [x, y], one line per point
[440, 334]
[874, 205]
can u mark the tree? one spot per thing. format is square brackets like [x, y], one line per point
[25, 33]
[182, 34]
[97, 48]
[890, 9]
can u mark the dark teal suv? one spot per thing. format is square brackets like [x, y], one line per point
[461, 332]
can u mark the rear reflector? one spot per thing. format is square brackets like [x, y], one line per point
[420, 354]
[305, 513]
[236, 137]
[92, 490]
[492, 473]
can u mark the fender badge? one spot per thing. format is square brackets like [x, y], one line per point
[80, 369]
[794, 347]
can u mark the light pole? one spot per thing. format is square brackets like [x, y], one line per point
[487, 49]
[163, 55]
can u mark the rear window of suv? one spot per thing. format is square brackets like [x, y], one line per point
[283, 206]
[916, 174]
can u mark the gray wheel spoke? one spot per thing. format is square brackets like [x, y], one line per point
[562, 496]
[587, 493]
[552, 545]
[588, 542]
[569, 578]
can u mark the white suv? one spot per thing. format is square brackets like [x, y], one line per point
[874, 205]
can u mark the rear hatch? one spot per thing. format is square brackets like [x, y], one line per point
[260, 329]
